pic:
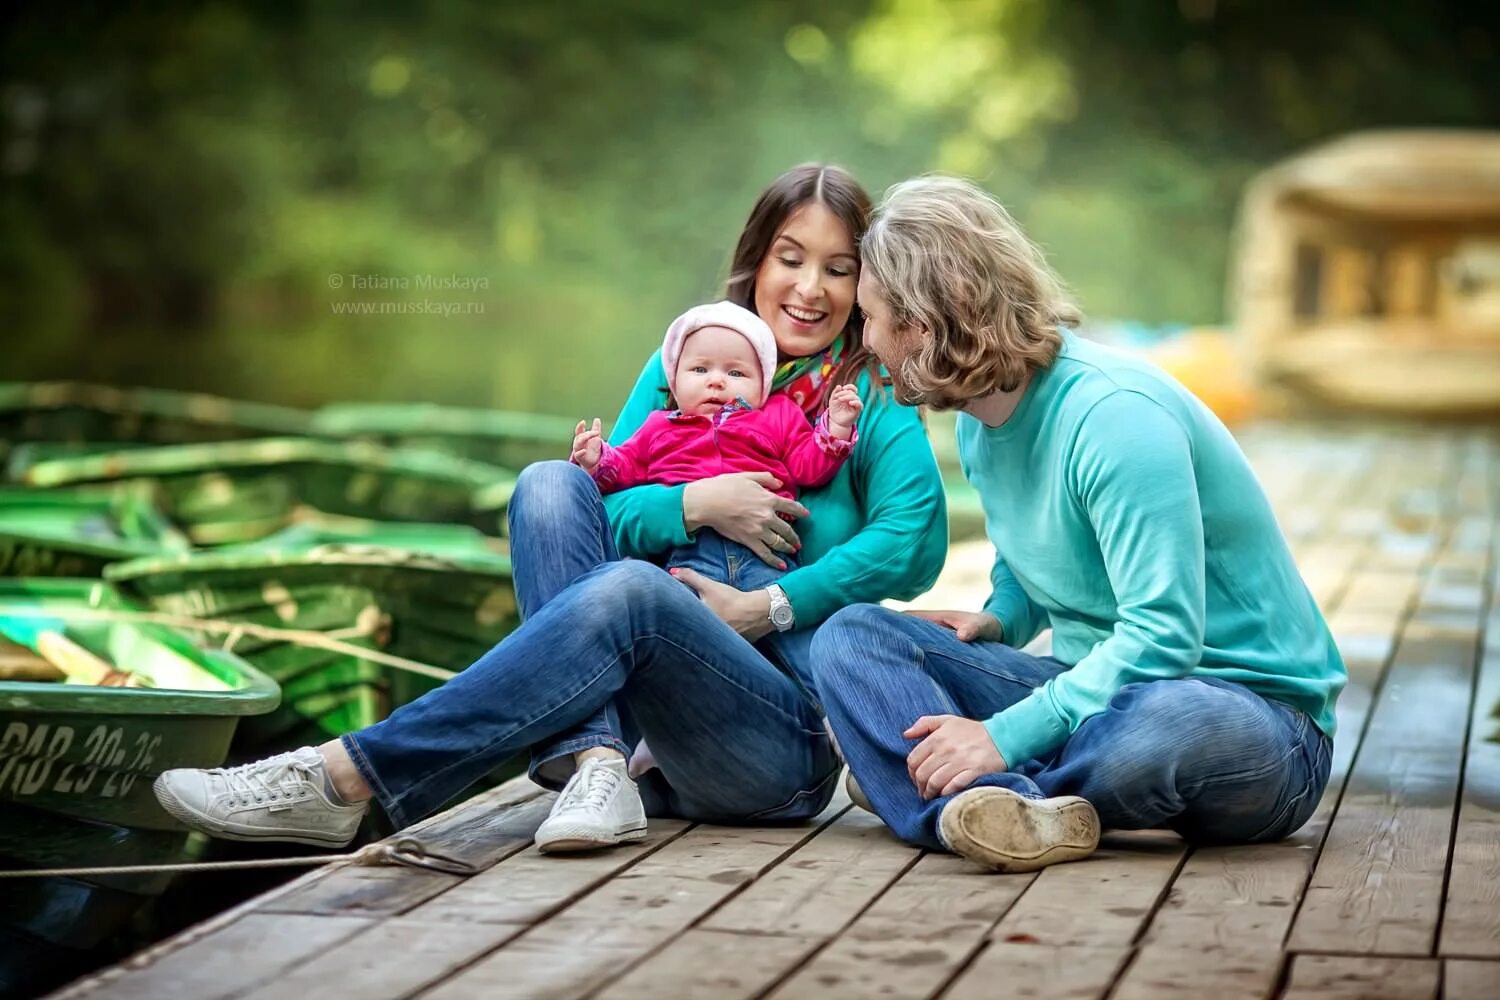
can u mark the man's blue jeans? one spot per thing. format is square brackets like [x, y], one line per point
[609, 650]
[1207, 758]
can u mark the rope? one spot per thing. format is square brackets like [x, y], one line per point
[406, 851]
[331, 641]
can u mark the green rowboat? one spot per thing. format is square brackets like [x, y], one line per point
[77, 532]
[240, 491]
[77, 763]
[509, 439]
[77, 413]
[439, 595]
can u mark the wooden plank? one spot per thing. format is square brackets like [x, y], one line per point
[1377, 887]
[611, 928]
[1362, 977]
[1244, 897]
[481, 836]
[809, 897]
[250, 951]
[1101, 902]
[714, 965]
[1040, 971]
[825, 885]
[531, 885]
[1218, 971]
[393, 959]
[914, 937]
[1471, 980]
[1471, 914]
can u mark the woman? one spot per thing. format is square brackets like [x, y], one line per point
[613, 651]
[1194, 680]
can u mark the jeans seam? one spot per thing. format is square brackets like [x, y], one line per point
[740, 687]
[581, 743]
[660, 638]
[362, 764]
[832, 775]
[490, 745]
[977, 665]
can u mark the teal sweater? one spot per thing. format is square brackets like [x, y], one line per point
[879, 530]
[1124, 516]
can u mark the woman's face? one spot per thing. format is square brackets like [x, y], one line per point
[804, 288]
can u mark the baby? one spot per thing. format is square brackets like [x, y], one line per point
[722, 417]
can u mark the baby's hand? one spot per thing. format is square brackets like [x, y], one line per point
[588, 446]
[844, 406]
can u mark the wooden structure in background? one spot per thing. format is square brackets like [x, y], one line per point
[1368, 272]
[1392, 890]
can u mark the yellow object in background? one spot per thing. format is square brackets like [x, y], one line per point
[1210, 363]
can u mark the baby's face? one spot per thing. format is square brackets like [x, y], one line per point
[717, 366]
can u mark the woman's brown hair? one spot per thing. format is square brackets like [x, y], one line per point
[836, 190]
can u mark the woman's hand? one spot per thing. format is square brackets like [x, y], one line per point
[588, 446]
[748, 612]
[954, 754]
[969, 626]
[844, 407]
[741, 507]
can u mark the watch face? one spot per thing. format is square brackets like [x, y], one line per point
[781, 616]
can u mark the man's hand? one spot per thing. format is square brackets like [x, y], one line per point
[748, 612]
[967, 625]
[955, 753]
[588, 446]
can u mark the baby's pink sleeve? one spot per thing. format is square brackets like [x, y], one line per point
[813, 456]
[628, 465]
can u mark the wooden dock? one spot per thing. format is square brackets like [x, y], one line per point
[1392, 890]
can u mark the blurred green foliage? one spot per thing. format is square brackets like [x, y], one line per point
[182, 186]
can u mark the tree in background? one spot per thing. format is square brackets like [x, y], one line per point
[180, 186]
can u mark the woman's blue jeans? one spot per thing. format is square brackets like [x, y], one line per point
[1209, 759]
[609, 651]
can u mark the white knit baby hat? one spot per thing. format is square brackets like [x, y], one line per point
[730, 316]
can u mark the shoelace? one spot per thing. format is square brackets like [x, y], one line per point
[591, 788]
[266, 779]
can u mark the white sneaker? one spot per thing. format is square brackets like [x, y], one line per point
[279, 798]
[1008, 832]
[599, 807]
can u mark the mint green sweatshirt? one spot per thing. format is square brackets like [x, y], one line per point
[879, 530]
[1125, 516]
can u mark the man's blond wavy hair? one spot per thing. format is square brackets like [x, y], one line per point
[950, 259]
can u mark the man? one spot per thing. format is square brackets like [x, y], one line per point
[1194, 679]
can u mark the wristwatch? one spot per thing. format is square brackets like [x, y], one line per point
[782, 619]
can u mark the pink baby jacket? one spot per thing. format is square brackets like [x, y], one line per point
[672, 447]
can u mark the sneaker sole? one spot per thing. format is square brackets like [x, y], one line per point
[1000, 829]
[195, 820]
[587, 842]
[856, 794]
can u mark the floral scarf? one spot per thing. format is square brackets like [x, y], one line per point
[802, 378]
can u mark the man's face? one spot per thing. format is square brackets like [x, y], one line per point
[891, 345]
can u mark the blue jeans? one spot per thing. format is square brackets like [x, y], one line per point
[609, 651]
[1207, 758]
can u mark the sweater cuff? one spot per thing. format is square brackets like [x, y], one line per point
[810, 605]
[606, 473]
[830, 445]
[1027, 730]
[661, 510]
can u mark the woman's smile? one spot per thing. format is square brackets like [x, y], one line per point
[805, 319]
